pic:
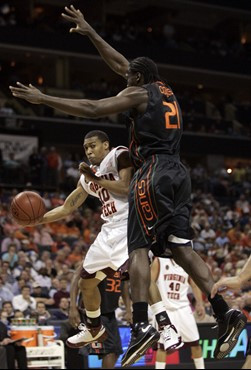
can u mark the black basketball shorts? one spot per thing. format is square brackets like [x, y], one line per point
[160, 205]
[113, 342]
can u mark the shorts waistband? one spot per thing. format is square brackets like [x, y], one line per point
[174, 158]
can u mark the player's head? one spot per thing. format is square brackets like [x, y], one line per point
[96, 146]
[142, 71]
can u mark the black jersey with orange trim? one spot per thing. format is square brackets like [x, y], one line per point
[159, 129]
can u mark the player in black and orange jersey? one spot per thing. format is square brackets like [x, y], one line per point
[110, 289]
[159, 201]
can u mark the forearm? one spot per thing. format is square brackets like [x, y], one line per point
[115, 187]
[245, 273]
[72, 202]
[197, 294]
[116, 61]
[55, 214]
[75, 107]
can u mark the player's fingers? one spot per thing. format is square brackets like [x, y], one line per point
[73, 30]
[83, 164]
[21, 85]
[214, 290]
[16, 88]
[73, 8]
[18, 95]
[69, 11]
[68, 18]
[17, 91]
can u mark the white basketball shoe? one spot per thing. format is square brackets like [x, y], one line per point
[86, 336]
[170, 337]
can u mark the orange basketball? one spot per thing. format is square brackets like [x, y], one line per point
[27, 208]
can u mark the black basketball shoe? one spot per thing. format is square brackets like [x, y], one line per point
[143, 336]
[229, 330]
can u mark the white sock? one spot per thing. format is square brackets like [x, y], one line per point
[160, 365]
[199, 363]
[93, 314]
[158, 308]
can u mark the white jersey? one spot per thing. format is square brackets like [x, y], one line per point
[173, 284]
[115, 207]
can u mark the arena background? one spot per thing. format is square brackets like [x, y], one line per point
[203, 49]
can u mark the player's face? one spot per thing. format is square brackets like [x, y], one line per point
[131, 78]
[95, 150]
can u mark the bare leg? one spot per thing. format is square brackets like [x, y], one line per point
[139, 271]
[194, 265]
[160, 359]
[247, 364]
[90, 293]
[109, 361]
[196, 352]
[197, 357]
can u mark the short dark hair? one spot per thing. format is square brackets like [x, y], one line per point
[25, 287]
[7, 302]
[101, 135]
[41, 302]
[147, 67]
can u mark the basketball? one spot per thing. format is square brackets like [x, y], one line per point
[27, 208]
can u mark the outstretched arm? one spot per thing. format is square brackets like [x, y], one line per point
[72, 202]
[116, 61]
[131, 97]
[235, 282]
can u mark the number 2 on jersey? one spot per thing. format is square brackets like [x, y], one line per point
[172, 112]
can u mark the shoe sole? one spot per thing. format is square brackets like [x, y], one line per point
[141, 351]
[231, 343]
[100, 339]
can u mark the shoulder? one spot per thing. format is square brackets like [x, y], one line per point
[123, 159]
[139, 94]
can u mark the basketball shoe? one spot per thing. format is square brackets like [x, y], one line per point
[170, 338]
[86, 336]
[143, 336]
[230, 327]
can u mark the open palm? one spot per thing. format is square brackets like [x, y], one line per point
[75, 16]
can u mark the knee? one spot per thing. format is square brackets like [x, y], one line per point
[87, 284]
[138, 255]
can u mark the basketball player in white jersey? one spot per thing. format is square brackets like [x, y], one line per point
[108, 179]
[173, 283]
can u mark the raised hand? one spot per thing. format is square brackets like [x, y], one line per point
[29, 93]
[87, 171]
[75, 16]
